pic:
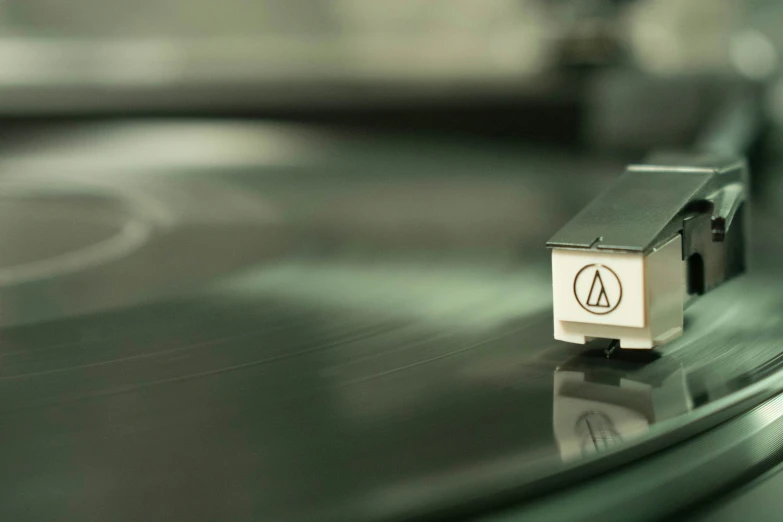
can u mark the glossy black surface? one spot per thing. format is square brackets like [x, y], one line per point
[761, 498]
[320, 327]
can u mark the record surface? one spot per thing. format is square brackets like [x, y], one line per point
[222, 321]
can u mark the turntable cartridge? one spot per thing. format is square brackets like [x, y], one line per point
[668, 228]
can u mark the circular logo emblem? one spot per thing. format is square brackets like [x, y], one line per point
[597, 289]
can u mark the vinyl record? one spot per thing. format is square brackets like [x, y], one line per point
[221, 321]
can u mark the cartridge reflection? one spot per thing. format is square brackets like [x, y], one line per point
[600, 403]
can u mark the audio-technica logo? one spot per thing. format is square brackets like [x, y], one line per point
[597, 289]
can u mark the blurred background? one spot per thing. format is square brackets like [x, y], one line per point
[625, 74]
[282, 57]
[600, 75]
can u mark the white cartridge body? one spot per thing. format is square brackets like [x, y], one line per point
[635, 298]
